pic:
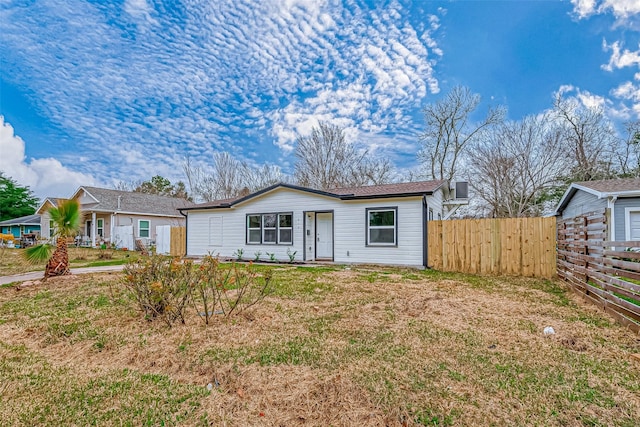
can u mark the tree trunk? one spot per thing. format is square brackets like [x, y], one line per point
[58, 264]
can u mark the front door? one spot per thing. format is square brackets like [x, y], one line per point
[324, 235]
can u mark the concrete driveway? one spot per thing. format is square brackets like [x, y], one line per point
[37, 275]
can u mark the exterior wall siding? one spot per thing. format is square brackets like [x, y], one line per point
[583, 202]
[349, 226]
[124, 219]
[619, 214]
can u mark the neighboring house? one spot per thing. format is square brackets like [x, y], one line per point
[118, 217]
[384, 224]
[29, 224]
[620, 196]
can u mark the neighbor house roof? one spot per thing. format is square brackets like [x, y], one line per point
[107, 200]
[23, 220]
[405, 189]
[622, 187]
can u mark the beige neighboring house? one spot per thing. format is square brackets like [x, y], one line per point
[118, 217]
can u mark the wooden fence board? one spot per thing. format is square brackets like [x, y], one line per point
[178, 244]
[513, 246]
[598, 269]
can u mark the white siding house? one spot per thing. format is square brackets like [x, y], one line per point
[383, 224]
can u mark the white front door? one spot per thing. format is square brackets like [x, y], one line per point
[324, 235]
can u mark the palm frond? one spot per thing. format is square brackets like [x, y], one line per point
[38, 253]
[66, 217]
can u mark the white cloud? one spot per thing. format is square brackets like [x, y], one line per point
[620, 58]
[622, 10]
[584, 8]
[155, 86]
[46, 177]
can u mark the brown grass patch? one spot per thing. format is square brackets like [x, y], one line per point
[337, 347]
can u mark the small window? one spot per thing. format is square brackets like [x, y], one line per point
[381, 227]
[51, 230]
[430, 214]
[285, 228]
[143, 228]
[100, 227]
[269, 228]
[254, 228]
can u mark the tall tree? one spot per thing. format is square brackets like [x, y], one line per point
[15, 200]
[589, 139]
[325, 160]
[66, 218]
[515, 169]
[161, 186]
[449, 131]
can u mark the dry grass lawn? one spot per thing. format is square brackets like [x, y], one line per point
[331, 346]
[12, 262]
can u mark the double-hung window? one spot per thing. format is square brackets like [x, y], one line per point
[270, 228]
[254, 229]
[144, 228]
[382, 226]
[100, 227]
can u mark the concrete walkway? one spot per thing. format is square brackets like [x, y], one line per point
[37, 275]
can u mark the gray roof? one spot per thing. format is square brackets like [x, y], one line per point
[23, 220]
[612, 186]
[621, 187]
[134, 202]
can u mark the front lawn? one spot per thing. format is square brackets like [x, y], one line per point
[330, 346]
[12, 262]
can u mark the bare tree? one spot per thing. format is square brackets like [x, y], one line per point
[449, 131]
[517, 166]
[589, 139]
[628, 157]
[257, 178]
[229, 177]
[325, 160]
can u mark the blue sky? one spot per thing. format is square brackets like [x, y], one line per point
[95, 92]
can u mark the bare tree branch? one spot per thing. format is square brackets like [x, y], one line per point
[325, 160]
[449, 132]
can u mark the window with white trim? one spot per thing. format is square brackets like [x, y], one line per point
[144, 228]
[100, 227]
[270, 228]
[51, 229]
[382, 226]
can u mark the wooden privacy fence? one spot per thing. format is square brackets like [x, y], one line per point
[604, 272]
[510, 246]
[178, 241]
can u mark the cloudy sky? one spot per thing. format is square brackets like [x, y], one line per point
[95, 92]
